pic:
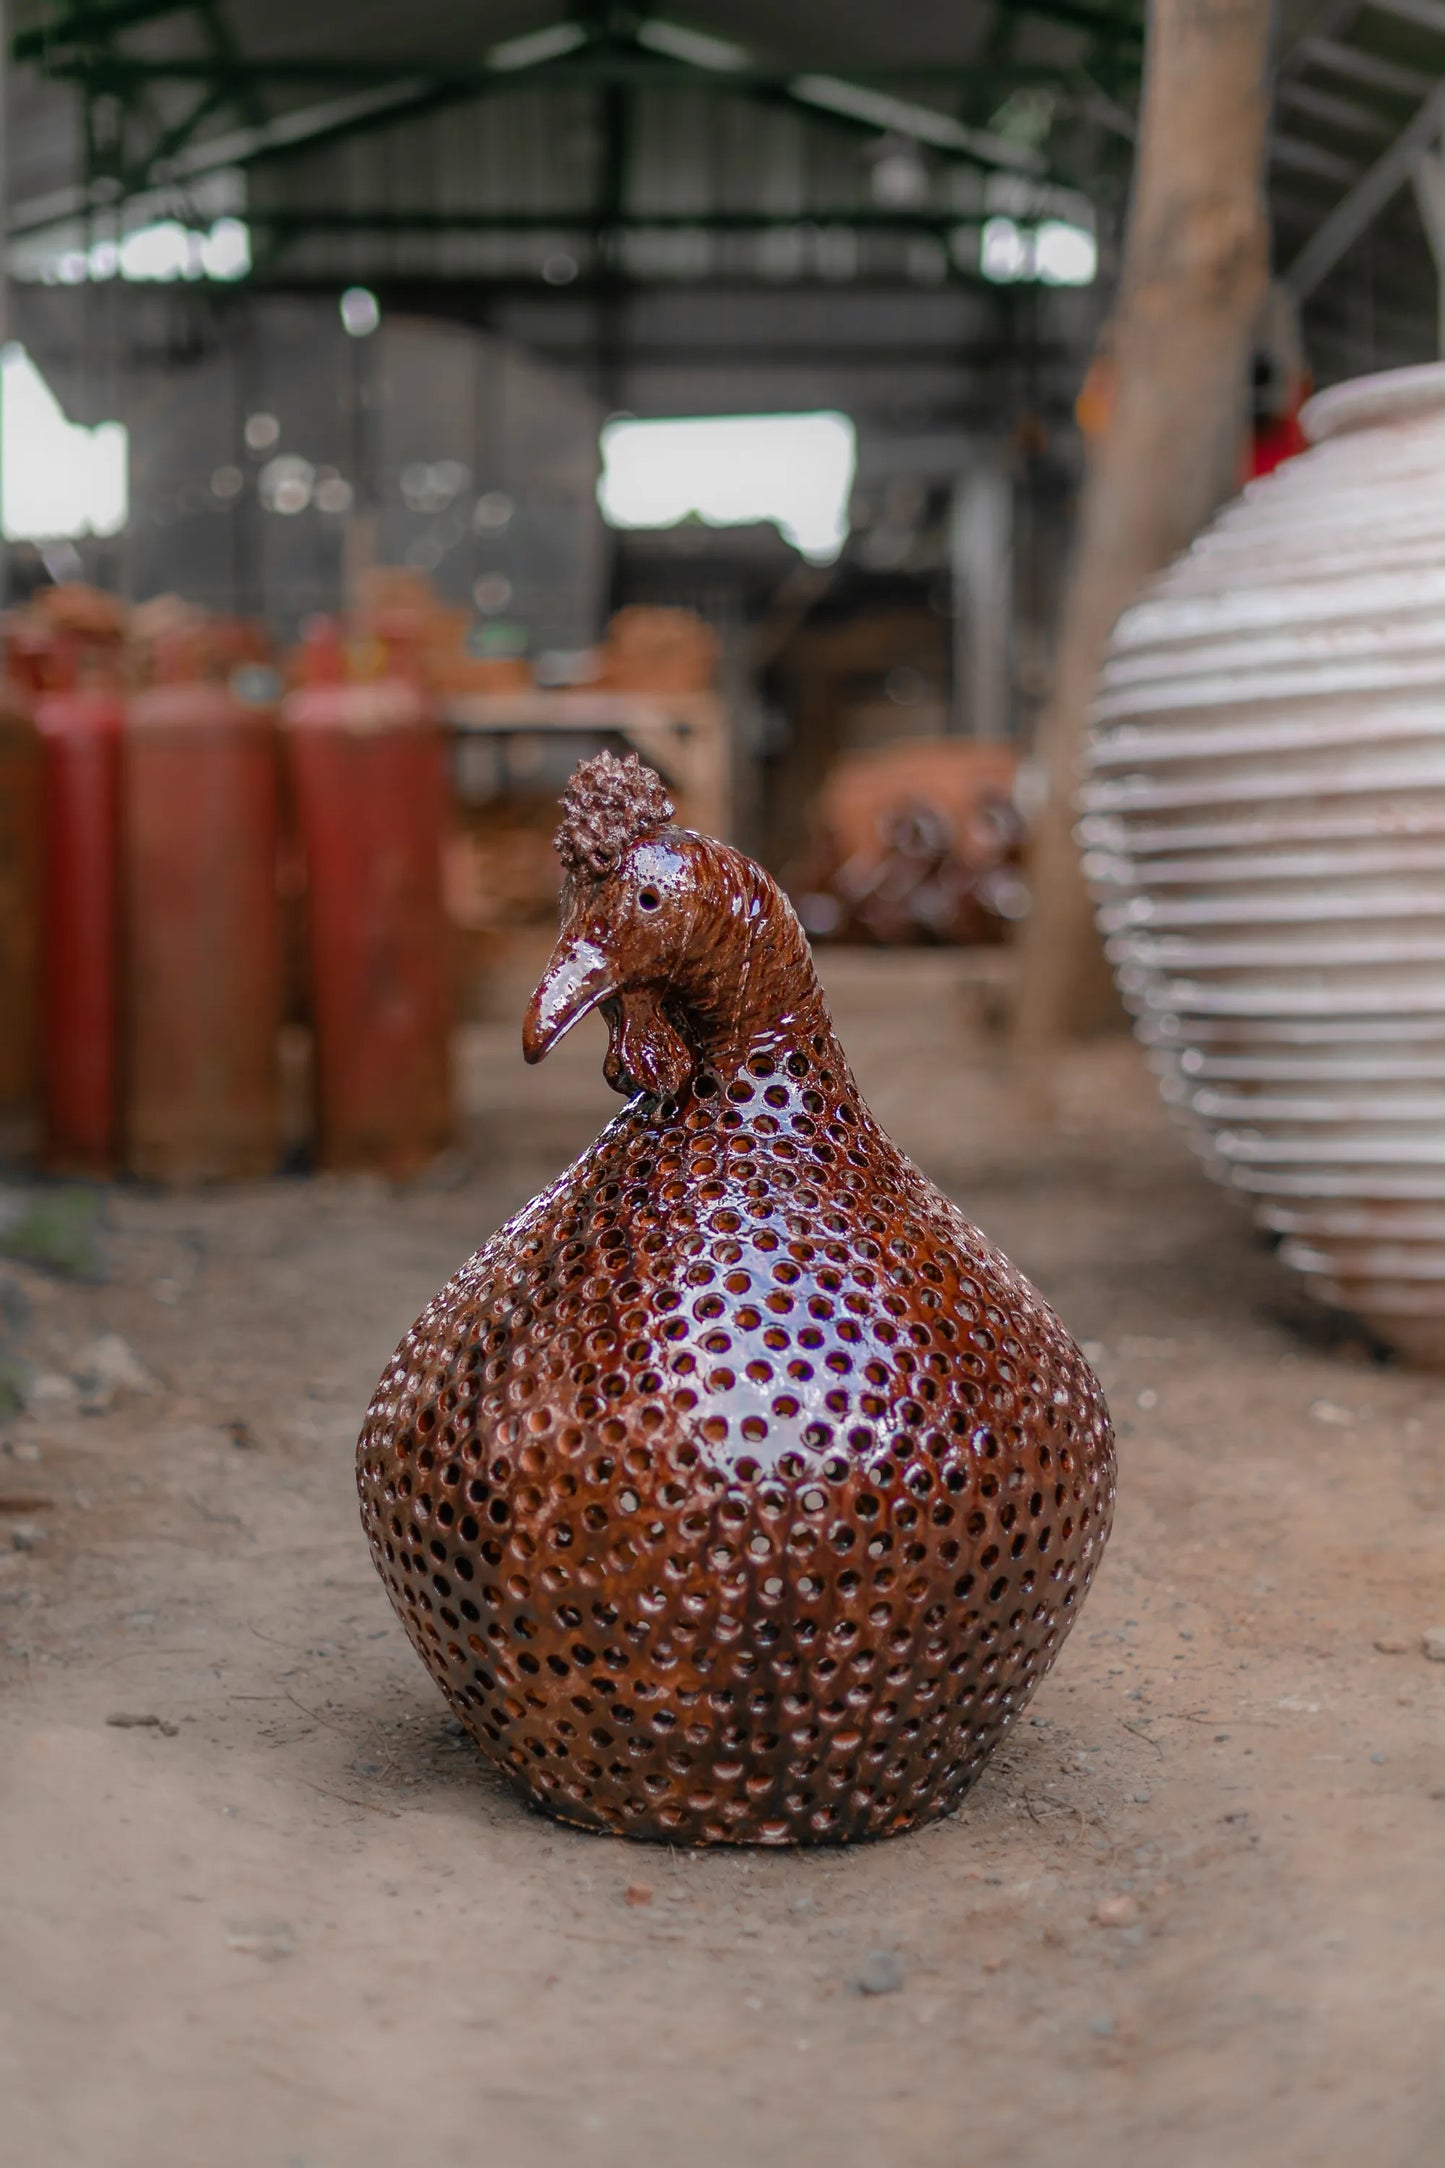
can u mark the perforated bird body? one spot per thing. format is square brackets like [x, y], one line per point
[737, 1490]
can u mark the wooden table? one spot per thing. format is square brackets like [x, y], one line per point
[683, 735]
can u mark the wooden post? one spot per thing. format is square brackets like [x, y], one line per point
[981, 546]
[1194, 275]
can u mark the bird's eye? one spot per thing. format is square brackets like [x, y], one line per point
[649, 899]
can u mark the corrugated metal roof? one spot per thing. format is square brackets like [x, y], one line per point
[394, 168]
[284, 65]
[834, 33]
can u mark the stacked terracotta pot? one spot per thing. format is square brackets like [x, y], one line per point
[1265, 831]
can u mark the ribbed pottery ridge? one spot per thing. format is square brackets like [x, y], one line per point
[1397, 395]
[1264, 832]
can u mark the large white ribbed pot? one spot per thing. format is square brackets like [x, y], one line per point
[1265, 833]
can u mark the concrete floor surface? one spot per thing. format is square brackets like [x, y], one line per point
[262, 1909]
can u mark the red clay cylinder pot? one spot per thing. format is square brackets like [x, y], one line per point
[80, 730]
[368, 774]
[203, 940]
[19, 917]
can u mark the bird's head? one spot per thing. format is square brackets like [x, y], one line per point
[630, 904]
[691, 951]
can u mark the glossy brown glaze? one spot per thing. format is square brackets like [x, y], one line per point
[737, 1490]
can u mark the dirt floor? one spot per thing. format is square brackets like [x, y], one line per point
[262, 1909]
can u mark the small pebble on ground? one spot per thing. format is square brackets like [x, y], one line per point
[1120, 1911]
[881, 1973]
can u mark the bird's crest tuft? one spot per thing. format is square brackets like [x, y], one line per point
[608, 805]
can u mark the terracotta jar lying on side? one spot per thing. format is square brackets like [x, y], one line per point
[1265, 832]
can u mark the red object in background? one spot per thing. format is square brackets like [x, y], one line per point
[1274, 441]
[19, 914]
[203, 934]
[368, 774]
[80, 732]
[917, 841]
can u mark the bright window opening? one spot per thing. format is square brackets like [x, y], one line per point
[58, 479]
[1053, 253]
[1065, 255]
[734, 470]
[1005, 251]
[160, 252]
[160, 236]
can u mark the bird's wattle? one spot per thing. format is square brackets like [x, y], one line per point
[646, 1051]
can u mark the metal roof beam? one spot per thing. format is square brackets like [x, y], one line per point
[1429, 14]
[117, 70]
[892, 115]
[1329, 20]
[302, 130]
[221, 38]
[178, 135]
[1365, 201]
[1312, 158]
[1366, 69]
[1346, 113]
[394, 100]
[90, 25]
[586, 219]
[601, 66]
[566, 52]
[287, 133]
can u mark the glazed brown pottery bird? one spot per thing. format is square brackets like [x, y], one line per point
[737, 1490]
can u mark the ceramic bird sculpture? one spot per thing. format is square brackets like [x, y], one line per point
[737, 1490]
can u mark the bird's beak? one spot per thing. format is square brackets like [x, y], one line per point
[577, 978]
